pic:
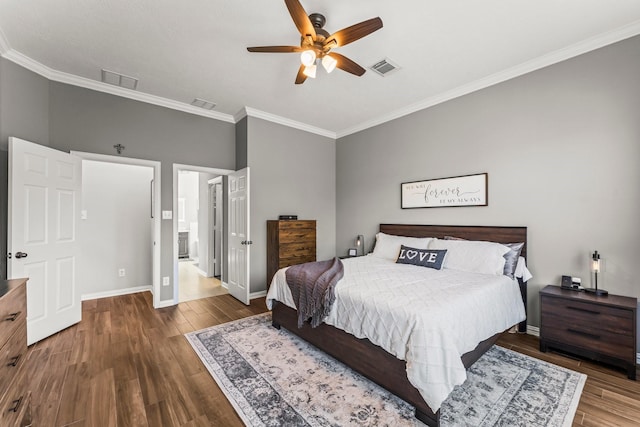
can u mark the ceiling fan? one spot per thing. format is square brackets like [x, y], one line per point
[316, 43]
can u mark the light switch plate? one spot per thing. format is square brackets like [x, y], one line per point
[167, 214]
[83, 214]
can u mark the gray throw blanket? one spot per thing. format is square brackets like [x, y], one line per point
[312, 287]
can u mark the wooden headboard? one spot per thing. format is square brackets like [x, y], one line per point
[469, 232]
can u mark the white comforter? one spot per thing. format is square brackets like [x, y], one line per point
[427, 317]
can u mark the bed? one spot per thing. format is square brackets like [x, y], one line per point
[367, 358]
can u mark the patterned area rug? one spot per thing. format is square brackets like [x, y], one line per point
[273, 378]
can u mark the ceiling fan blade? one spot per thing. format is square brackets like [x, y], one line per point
[300, 18]
[275, 49]
[347, 65]
[353, 33]
[301, 77]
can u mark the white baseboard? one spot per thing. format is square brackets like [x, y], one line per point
[224, 284]
[259, 294]
[165, 303]
[116, 293]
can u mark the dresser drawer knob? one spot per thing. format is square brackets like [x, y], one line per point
[14, 360]
[16, 405]
[584, 310]
[12, 317]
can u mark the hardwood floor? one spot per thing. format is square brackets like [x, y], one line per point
[127, 364]
[193, 285]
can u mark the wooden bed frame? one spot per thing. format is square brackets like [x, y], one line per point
[372, 361]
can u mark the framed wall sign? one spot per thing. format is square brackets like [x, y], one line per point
[467, 190]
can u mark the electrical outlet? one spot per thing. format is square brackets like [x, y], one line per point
[165, 281]
[121, 272]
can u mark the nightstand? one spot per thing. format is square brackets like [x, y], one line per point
[602, 328]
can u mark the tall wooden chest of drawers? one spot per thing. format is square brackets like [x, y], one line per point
[15, 399]
[601, 328]
[289, 242]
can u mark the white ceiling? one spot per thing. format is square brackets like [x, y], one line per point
[181, 50]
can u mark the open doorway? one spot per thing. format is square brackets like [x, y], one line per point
[216, 227]
[198, 230]
[120, 226]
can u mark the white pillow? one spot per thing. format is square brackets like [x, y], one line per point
[473, 256]
[522, 272]
[388, 246]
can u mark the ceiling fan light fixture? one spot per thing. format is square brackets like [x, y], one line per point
[308, 57]
[329, 63]
[310, 71]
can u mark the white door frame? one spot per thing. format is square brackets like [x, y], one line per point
[210, 214]
[156, 208]
[176, 168]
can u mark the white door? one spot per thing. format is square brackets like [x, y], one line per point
[44, 209]
[238, 235]
[215, 227]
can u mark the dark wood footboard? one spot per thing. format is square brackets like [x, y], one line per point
[368, 359]
[372, 361]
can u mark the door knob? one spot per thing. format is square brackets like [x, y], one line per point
[21, 254]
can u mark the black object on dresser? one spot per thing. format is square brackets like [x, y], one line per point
[602, 328]
[15, 399]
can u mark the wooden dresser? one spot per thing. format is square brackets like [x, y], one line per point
[289, 242]
[601, 328]
[15, 399]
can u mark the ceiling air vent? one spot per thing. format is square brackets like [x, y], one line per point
[207, 105]
[118, 79]
[384, 67]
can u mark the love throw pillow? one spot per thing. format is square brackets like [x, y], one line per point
[432, 258]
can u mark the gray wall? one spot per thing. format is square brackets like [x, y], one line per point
[292, 172]
[85, 120]
[117, 231]
[561, 146]
[24, 104]
[241, 143]
[72, 118]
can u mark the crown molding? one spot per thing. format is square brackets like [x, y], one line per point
[4, 43]
[240, 114]
[252, 112]
[555, 57]
[61, 77]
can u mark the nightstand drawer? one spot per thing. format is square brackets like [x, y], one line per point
[614, 345]
[579, 314]
[601, 328]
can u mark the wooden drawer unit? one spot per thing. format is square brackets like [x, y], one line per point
[15, 399]
[602, 328]
[289, 242]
